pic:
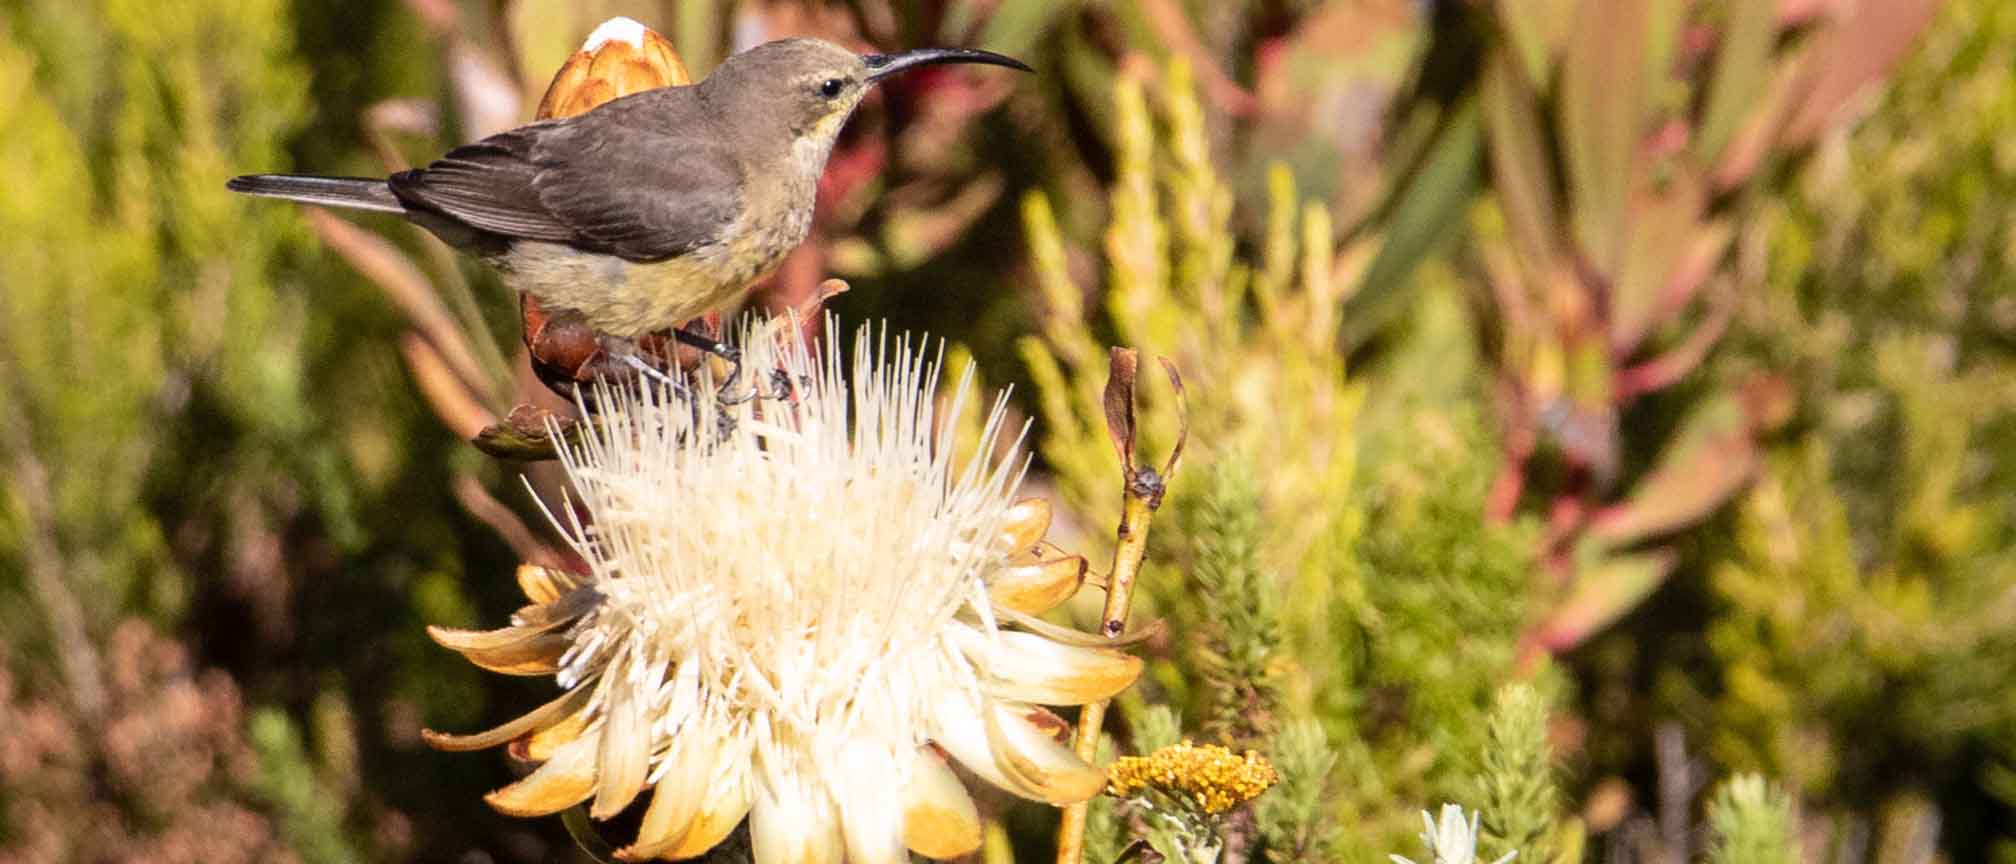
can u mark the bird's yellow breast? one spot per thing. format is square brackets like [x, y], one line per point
[629, 299]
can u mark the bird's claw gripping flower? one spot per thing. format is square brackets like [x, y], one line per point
[797, 620]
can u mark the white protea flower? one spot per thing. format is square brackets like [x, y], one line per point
[795, 608]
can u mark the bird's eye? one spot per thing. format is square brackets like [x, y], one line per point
[832, 87]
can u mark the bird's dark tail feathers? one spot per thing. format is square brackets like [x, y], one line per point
[353, 192]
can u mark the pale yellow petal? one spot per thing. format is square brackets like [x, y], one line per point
[508, 650]
[726, 803]
[670, 813]
[534, 721]
[1024, 525]
[871, 810]
[1025, 667]
[1023, 742]
[939, 819]
[958, 726]
[793, 822]
[545, 584]
[565, 780]
[1015, 747]
[1045, 579]
[1070, 636]
[564, 610]
[626, 752]
[675, 798]
[539, 746]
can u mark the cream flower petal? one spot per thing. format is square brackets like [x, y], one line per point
[674, 803]
[626, 754]
[939, 819]
[1024, 667]
[793, 821]
[871, 807]
[1027, 750]
[725, 804]
[1000, 743]
[958, 727]
[565, 780]
[676, 798]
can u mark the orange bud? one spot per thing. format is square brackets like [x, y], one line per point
[620, 58]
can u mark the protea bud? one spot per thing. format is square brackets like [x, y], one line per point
[620, 58]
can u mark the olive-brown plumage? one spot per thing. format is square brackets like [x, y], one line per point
[649, 210]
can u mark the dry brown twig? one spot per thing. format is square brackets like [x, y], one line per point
[1144, 489]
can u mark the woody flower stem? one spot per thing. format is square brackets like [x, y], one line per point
[1143, 496]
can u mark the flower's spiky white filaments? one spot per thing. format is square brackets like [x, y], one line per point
[811, 562]
[787, 614]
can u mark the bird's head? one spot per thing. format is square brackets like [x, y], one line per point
[811, 86]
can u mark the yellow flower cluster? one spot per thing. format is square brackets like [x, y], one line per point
[1211, 777]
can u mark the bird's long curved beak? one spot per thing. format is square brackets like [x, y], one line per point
[881, 66]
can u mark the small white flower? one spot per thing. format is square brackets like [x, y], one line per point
[793, 612]
[1453, 841]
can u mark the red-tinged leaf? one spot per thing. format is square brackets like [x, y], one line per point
[1604, 591]
[1854, 50]
[1793, 13]
[1676, 363]
[1521, 171]
[1167, 23]
[1702, 258]
[1602, 113]
[1746, 152]
[1742, 65]
[1711, 458]
[1665, 225]
[1427, 211]
[697, 30]
[1666, 25]
[1535, 31]
[524, 542]
[376, 259]
[1017, 27]
[459, 408]
[1516, 317]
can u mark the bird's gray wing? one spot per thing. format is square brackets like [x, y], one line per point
[615, 188]
[643, 195]
[487, 185]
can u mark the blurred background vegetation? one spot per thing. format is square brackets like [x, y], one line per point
[1591, 401]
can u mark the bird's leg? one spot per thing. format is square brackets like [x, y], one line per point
[619, 358]
[719, 349]
[654, 373]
